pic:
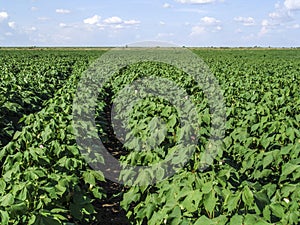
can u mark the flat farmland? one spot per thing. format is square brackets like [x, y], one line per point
[254, 178]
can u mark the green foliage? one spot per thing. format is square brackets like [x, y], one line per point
[44, 179]
[254, 180]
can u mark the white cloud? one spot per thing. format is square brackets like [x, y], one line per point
[3, 16]
[206, 25]
[62, 11]
[28, 30]
[8, 34]
[195, 1]
[162, 23]
[117, 23]
[33, 8]
[263, 31]
[209, 20]
[292, 4]
[274, 15]
[281, 14]
[280, 17]
[265, 23]
[197, 30]
[166, 5]
[92, 20]
[294, 26]
[238, 31]
[113, 20]
[118, 26]
[246, 21]
[12, 24]
[131, 22]
[63, 25]
[266, 26]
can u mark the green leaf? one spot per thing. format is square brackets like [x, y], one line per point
[267, 213]
[206, 119]
[2, 185]
[176, 212]
[89, 178]
[4, 217]
[210, 201]
[207, 187]
[7, 200]
[23, 194]
[250, 219]
[172, 121]
[233, 202]
[32, 220]
[290, 133]
[262, 199]
[236, 220]
[247, 196]
[60, 189]
[288, 169]
[220, 220]
[277, 210]
[268, 159]
[203, 220]
[16, 209]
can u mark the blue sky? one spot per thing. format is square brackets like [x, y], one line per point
[181, 22]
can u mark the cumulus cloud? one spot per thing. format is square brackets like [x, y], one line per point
[294, 26]
[265, 27]
[131, 22]
[116, 22]
[195, 1]
[246, 21]
[282, 15]
[196, 30]
[166, 5]
[3, 16]
[63, 25]
[12, 24]
[92, 20]
[292, 4]
[113, 20]
[207, 24]
[209, 20]
[62, 11]
[28, 30]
